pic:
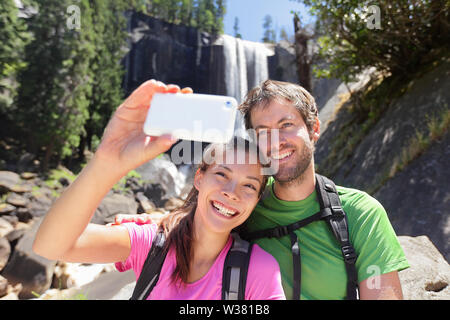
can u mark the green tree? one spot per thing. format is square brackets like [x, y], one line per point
[13, 38]
[393, 36]
[269, 32]
[219, 14]
[108, 36]
[186, 12]
[236, 28]
[206, 15]
[52, 104]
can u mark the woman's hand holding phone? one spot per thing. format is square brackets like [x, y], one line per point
[124, 146]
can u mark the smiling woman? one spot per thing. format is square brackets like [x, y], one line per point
[227, 187]
[223, 196]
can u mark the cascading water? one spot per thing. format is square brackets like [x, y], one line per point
[245, 66]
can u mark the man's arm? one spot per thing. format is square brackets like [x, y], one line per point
[381, 287]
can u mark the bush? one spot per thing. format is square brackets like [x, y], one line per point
[392, 36]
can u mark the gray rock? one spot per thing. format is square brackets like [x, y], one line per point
[6, 208]
[11, 181]
[163, 173]
[3, 286]
[17, 200]
[31, 270]
[112, 205]
[8, 180]
[5, 227]
[5, 252]
[428, 277]
[417, 198]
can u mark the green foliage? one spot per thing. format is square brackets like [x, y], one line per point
[269, 32]
[392, 36]
[108, 36]
[13, 38]
[53, 94]
[73, 79]
[236, 28]
[206, 15]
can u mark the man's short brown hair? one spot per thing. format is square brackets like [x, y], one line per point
[270, 90]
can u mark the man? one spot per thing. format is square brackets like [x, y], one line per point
[290, 111]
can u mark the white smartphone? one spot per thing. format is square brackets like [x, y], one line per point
[196, 117]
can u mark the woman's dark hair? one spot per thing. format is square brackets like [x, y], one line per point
[178, 224]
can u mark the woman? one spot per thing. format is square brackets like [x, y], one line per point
[198, 238]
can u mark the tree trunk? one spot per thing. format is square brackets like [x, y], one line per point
[302, 56]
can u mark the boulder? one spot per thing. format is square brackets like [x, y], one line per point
[28, 175]
[11, 181]
[112, 205]
[145, 205]
[428, 277]
[34, 272]
[5, 252]
[68, 275]
[8, 181]
[3, 286]
[17, 200]
[162, 179]
[6, 208]
[173, 203]
[5, 227]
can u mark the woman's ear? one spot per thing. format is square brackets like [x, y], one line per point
[198, 179]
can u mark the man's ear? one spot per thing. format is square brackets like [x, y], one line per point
[316, 130]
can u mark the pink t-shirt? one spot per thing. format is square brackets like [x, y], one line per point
[263, 279]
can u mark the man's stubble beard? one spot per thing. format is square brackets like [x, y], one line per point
[295, 174]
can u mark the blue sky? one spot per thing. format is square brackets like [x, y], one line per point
[251, 15]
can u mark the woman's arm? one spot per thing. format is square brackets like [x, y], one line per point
[65, 233]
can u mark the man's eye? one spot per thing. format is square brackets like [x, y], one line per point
[287, 124]
[251, 186]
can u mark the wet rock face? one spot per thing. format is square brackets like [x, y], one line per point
[416, 198]
[214, 64]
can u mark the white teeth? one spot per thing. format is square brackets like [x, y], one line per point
[281, 156]
[222, 210]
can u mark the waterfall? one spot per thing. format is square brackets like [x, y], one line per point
[245, 66]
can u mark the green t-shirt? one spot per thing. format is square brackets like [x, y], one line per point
[323, 274]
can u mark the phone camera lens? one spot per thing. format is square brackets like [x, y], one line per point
[228, 104]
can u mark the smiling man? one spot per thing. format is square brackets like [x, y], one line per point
[318, 271]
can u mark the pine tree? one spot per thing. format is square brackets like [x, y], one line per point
[13, 38]
[236, 28]
[54, 88]
[269, 33]
[109, 38]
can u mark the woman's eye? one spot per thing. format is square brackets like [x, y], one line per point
[251, 186]
[287, 124]
[219, 173]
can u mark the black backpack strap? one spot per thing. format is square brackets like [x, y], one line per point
[235, 269]
[151, 269]
[337, 220]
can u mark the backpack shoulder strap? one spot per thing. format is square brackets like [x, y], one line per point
[336, 218]
[235, 269]
[151, 269]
